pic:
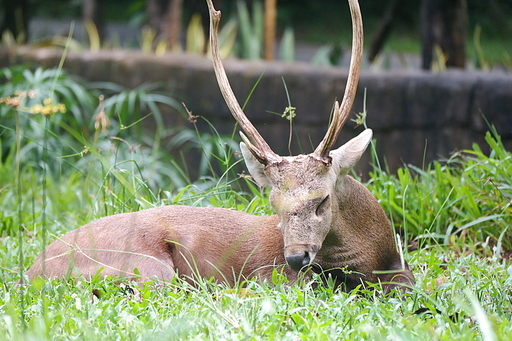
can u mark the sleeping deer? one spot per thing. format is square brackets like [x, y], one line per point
[325, 221]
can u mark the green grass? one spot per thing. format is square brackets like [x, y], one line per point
[464, 202]
[465, 298]
[459, 211]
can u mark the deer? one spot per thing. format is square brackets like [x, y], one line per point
[326, 222]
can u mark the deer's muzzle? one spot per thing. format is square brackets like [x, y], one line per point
[298, 259]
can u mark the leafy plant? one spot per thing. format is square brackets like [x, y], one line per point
[463, 203]
[328, 55]
[195, 41]
[52, 86]
[287, 48]
[481, 62]
[252, 34]
[122, 111]
[198, 44]
[251, 30]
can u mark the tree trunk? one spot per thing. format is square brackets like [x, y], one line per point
[270, 29]
[383, 30]
[173, 23]
[15, 19]
[164, 17]
[156, 12]
[444, 24]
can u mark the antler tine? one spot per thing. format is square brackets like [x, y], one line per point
[341, 113]
[259, 147]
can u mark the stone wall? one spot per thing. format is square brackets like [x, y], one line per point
[416, 116]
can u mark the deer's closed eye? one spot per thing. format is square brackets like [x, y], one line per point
[324, 204]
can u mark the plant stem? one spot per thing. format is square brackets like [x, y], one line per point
[44, 165]
[17, 182]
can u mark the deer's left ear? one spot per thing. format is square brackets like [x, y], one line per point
[346, 156]
[254, 166]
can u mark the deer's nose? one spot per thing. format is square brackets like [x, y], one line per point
[298, 261]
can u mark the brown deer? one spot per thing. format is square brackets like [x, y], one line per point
[326, 221]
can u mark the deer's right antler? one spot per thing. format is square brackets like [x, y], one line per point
[254, 141]
[341, 113]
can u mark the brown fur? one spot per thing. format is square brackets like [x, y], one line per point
[209, 242]
[225, 244]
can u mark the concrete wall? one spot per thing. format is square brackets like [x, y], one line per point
[415, 115]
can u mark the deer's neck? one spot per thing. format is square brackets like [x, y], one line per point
[349, 222]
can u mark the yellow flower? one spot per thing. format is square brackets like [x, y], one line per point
[13, 101]
[47, 108]
[36, 109]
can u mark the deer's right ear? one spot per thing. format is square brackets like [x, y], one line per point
[346, 156]
[254, 166]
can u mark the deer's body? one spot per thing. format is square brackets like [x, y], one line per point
[161, 241]
[326, 221]
[225, 244]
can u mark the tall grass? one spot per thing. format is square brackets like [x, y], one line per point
[454, 208]
[463, 202]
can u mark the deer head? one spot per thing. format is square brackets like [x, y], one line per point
[307, 190]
